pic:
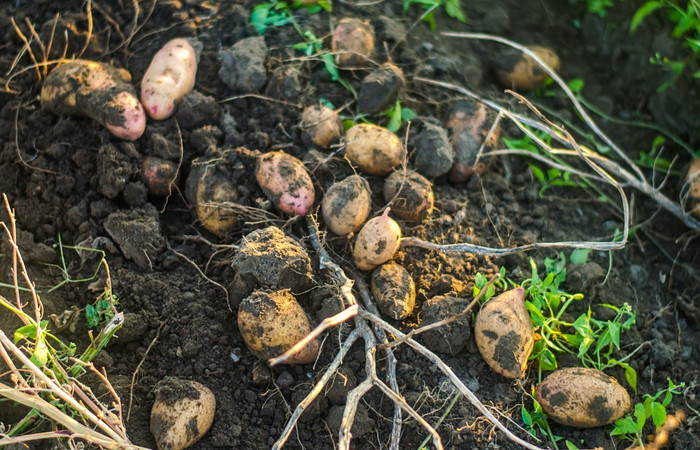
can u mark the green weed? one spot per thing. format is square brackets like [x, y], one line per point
[452, 9]
[398, 116]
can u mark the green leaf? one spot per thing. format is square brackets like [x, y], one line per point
[330, 66]
[25, 332]
[395, 120]
[576, 85]
[642, 12]
[527, 418]
[41, 353]
[579, 256]
[537, 173]
[570, 446]
[454, 10]
[624, 426]
[408, 114]
[658, 414]
[640, 414]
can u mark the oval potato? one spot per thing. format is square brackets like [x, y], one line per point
[346, 205]
[504, 333]
[321, 125]
[168, 78]
[285, 182]
[374, 149]
[411, 193]
[394, 290]
[582, 397]
[376, 242]
[352, 42]
[520, 72]
[211, 191]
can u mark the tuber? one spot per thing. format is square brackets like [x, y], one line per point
[411, 195]
[376, 242]
[374, 149]
[285, 182]
[346, 205]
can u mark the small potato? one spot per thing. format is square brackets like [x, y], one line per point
[321, 126]
[182, 413]
[347, 205]
[412, 195]
[168, 78]
[272, 322]
[504, 333]
[692, 180]
[582, 398]
[376, 242]
[285, 182]
[352, 42]
[160, 175]
[518, 71]
[210, 190]
[374, 149]
[96, 90]
[393, 290]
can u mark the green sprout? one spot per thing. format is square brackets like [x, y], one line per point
[452, 8]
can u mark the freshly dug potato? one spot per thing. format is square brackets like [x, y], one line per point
[380, 88]
[504, 333]
[692, 179]
[168, 78]
[182, 413]
[210, 190]
[160, 175]
[272, 322]
[415, 198]
[376, 242]
[518, 71]
[582, 398]
[352, 42]
[96, 90]
[374, 149]
[346, 205]
[321, 126]
[285, 182]
[394, 290]
[469, 123]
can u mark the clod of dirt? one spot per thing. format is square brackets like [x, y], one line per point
[137, 232]
[380, 88]
[504, 333]
[362, 424]
[272, 322]
[518, 71]
[340, 385]
[352, 42]
[346, 205]
[433, 154]
[269, 259]
[96, 90]
[159, 175]
[284, 83]
[374, 149]
[582, 398]
[450, 338]
[285, 182]
[411, 195]
[321, 126]
[115, 167]
[469, 123]
[692, 181]
[197, 110]
[393, 290]
[182, 413]
[243, 65]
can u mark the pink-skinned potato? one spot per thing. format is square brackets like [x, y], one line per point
[285, 182]
[96, 90]
[168, 78]
[376, 242]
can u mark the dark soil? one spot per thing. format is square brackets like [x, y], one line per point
[68, 177]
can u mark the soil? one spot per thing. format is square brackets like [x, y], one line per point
[69, 178]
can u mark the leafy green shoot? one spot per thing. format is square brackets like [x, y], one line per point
[398, 116]
[452, 8]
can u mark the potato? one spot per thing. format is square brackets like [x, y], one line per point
[321, 126]
[352, 42]
[374, 149]
[210, 190]
[692, 179]
[518, 71]
[379, 89]
[582, 398]
[96, 90]
[376, 242]
[182, 413]
[412, 195]
[272, 322]
[285, 182]
[504, 333]
[160, 175]
[346, 205]
[394, 290]
[168, 78]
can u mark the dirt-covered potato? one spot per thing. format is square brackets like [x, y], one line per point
[321, 126]
[96, 90]
[582, 398]
[376, 242]
[346, 205]
[159, 175]
[352, 42]
[374, 149]
[211, 192]
[182, 413]
[469, 123]
[285, 182]
[692, 180]
[504, 333]
[518, 71]
[272, 322]
[412, 195]
[393, 290]
[380, 88]
[168, 78]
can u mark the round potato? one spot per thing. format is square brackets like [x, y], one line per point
[346, 205]
[272, 322]
[374, 149]
[393, 290]
[321, 126]
[376, 242]
[504, 333]
[582, 398]
[182, 413]
[352, 42]
[210, 190]
[285, 182]
[692, 180]
[518, 71]
[411, 194]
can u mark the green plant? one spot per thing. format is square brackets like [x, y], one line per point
[536, 422]
[452, 8]
[398, 116]
[599, 7]
[631, 427]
